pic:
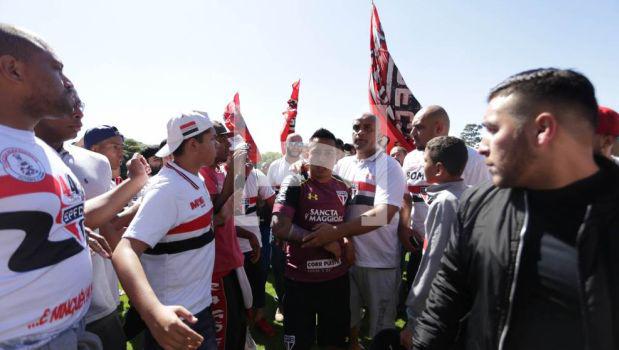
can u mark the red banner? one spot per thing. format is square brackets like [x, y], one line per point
[390, 99]
[235, 123]
[290, 115]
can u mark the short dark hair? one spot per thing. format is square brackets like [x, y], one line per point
[325, 134]
[558, 87]
[181, 148]
[149, 151]
[339, 144]
[348, 147]
[450, 151]
[19, 43]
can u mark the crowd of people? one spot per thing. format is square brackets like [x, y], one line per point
[511, 245]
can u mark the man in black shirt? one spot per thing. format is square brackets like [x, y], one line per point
[532, 263]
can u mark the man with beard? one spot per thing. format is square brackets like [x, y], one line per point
[45, 267]
[278, 170]
[372, 222]
[532, 260]
[93, 172]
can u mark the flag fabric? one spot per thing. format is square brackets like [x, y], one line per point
[390, 99]
[235, 123]
[290, 115]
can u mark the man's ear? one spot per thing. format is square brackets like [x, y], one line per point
[546, 128]
[11, 69]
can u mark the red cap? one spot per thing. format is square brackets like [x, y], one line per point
[608, 122]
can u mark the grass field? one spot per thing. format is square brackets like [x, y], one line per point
[263, 342]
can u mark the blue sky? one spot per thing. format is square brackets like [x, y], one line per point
[136, 63]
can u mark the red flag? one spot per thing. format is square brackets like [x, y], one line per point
[290, 115]
[235, 123]
[390, 99]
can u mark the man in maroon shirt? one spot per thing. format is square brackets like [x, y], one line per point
[228, 309]
[316, 279]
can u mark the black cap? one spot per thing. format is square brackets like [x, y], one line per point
[220, 129]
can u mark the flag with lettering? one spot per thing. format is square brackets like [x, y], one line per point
[290, 115]
[235, 123]
[390, 99]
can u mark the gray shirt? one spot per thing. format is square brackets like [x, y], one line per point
[443, 200]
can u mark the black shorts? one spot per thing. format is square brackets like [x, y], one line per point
[329, 301]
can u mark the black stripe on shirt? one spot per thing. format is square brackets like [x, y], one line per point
[362, 200]
[182, 246]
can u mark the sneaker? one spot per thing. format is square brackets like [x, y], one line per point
[250, 344]
[279, 316]
[263, 326]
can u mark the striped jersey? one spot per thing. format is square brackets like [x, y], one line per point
[174, 220]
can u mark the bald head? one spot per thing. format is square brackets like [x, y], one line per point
[428, 123]
[19, 43]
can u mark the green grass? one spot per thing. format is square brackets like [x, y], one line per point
[263, 342]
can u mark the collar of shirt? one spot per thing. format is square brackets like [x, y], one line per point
[189, 177]
[371, 158]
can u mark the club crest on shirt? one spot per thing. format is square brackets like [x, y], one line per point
[343, 196]
[22, 165]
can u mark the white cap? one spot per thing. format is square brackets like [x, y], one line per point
[183, 127]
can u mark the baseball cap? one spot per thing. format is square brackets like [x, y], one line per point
[183, 127]
[100, 133]
[608, 122]
[220, 129]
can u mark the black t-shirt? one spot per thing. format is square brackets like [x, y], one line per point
[547, 312]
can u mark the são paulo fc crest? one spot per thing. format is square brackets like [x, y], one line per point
[22, 165]
[343, 196]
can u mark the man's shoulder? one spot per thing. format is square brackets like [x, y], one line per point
[86, 155]
[413, 158]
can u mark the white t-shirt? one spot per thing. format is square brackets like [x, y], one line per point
[278, 170]
[245, 215]
[94, 173]
[374, 180]
[45, 268]
[475, 172]
[174, 219]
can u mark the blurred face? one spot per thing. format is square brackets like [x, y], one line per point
[294, 146]
[223, 148]
[509, 154]
[155, 164]
[398, 155]
[112, 148]
[62, 129]
[364, 134]
[423, 130]
[209, 147]
[322, 157]
[51, 93]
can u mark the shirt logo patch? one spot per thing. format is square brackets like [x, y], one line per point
[312, 196]
[196, 203]
[343, 196]
[22, 165]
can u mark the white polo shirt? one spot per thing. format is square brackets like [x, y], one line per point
[375, 180]
[278, 170]
[45, 268]
[475, 172]
[94, 173]
[245, 215]
[175, 219]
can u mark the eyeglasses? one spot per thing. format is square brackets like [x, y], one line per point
[295, 144]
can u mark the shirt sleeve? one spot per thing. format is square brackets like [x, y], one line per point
[271, 174]
[288, 196]
[265, 191]
[389, 182]
[156, 216]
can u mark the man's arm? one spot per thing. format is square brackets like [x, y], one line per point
[405, 232]
[283, 228]
[163, 321]
[104, 208]
[372, 219]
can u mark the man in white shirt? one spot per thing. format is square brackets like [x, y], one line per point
[165, 258]
[93, 171]
[428, 123]
[372, 222]
[45, 268]
[278, 170]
